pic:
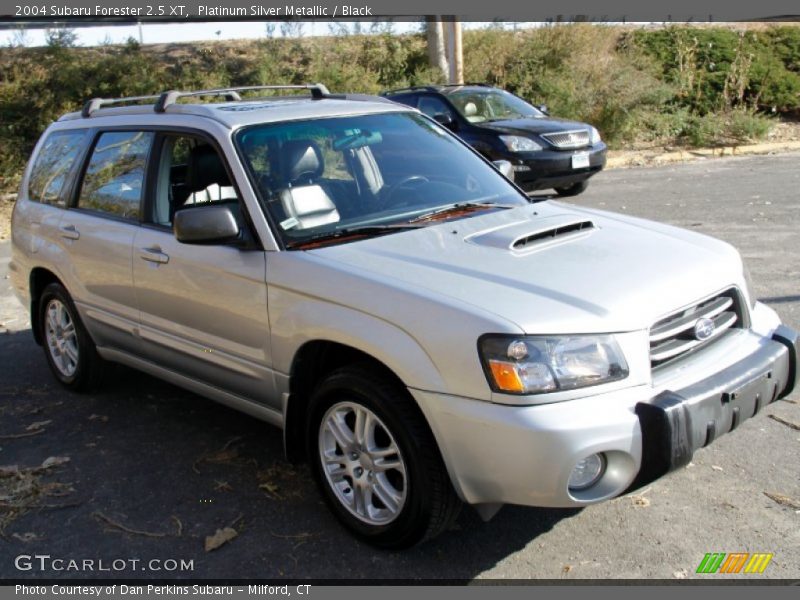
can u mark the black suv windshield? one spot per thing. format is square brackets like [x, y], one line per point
[491, 105]
[326, 178]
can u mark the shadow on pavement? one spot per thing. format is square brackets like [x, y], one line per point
[153, 470]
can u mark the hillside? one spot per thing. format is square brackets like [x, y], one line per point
[673, 85]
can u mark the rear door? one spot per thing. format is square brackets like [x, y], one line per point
[98, 233]
[203, 308]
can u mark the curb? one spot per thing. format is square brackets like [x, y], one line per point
[620, 159]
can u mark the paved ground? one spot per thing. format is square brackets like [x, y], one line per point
[153, 470]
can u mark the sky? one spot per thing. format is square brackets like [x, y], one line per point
[153, 33]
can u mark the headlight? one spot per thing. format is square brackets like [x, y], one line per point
[541, 364]
[594, 136]
[516, 143]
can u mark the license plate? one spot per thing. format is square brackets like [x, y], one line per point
[580, 161]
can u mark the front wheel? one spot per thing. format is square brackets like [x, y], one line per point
[376, 461]
[574, 189]
[70, 351]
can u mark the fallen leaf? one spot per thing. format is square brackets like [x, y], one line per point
[38, 425]
[222, 486]
[641, 501]
[271, 489]
[220, 538]
[566, 569]
[25, 537]
[54, 461]
[783, 500]
[680, 574]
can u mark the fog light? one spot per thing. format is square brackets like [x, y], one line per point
[587, 472]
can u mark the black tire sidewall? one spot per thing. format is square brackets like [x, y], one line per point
[574, 189]
[349, 386]
[86, 349]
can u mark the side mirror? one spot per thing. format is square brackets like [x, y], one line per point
[446, 119]
[206, 225]
[505, 167]
[543, 108]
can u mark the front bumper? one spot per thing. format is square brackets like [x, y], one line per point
[499, 454]
[553, 168]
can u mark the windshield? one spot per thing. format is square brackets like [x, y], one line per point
[478, 106]
[323, 178]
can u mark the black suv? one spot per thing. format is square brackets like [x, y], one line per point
[545, 152]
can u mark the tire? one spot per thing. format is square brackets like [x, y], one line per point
[574, 189]
[394, 468]
[69, 349]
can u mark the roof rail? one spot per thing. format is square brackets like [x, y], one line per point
[318, 92]
[96, 103]
[435, 87]
[412, 88]
[165, 99]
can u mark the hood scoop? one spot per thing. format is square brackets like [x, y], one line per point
[527, 236]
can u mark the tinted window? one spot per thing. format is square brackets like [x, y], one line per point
[53, 166]
[115, 175]
[432, 106]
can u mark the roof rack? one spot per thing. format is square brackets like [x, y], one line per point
[96, 103]
[165, 99]
[318, 92]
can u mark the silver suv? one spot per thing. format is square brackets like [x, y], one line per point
[425, 334]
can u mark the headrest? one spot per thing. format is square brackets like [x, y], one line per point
[301, 160]
[205, 168]
[470, 110]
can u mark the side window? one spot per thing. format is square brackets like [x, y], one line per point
[53, 165]
[191, 172]
[115, 176]
[432, 106]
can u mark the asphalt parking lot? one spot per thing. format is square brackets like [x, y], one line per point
[144, 470]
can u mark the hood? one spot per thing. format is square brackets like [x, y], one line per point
[532, 125]
[551, 268]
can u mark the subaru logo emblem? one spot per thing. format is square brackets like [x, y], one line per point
[704, 329]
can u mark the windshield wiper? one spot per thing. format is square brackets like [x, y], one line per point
[346, 232]
[458, 206]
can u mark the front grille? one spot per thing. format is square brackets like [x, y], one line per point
[568, 139]
[674, 336]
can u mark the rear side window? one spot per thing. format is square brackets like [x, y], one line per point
[53, 166]
[115, 175]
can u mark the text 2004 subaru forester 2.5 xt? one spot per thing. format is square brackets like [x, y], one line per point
[424, 333]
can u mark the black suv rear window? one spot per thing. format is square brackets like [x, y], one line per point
[53, 165]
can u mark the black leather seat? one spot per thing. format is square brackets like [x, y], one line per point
[303, 199]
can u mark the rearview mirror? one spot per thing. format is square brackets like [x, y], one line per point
[445, 119]
[506, 168]
[206, 225]
[543, 109]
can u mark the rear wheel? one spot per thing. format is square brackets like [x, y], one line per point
[376, 461]
[70, 351]
[574, 189]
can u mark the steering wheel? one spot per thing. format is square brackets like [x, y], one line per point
[416, 179]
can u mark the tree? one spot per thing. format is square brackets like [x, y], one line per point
[61, 37]
[437, 54]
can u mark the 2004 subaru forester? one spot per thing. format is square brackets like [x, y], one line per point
[425, 334]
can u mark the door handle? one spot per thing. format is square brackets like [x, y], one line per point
[154, 255]
[69, 232]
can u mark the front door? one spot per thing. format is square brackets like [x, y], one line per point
[203, 308]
